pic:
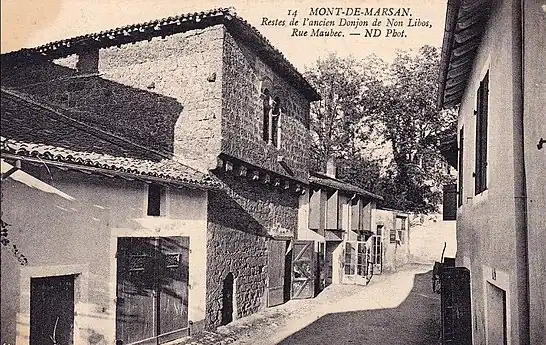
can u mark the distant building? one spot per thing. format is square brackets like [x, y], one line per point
[492, 69]
[393, 228]
[177, 152]
[339, 217]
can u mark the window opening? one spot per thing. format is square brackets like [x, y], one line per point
[480, 173]
[155, 194]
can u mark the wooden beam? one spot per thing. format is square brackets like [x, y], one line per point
[286, 184]
[255, 175]
[229, 166]
[242, 170]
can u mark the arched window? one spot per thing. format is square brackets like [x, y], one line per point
[275, 122]
[271, 119]
[266, 112]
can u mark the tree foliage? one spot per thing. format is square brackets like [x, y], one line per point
[396, 104]
[342, 83]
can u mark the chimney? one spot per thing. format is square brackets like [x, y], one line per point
[331, 169]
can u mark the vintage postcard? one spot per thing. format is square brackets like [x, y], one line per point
[273, 172]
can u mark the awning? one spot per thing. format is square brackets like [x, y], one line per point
[333, 235]
[31, 181]
[310, 235]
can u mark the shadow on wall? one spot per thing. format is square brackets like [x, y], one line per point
[416, 321]
[141, 116]
[251, 206]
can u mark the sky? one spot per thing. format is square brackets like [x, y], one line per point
[30, 23]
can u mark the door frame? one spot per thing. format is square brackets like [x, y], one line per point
[81, 286]
[355, 278]
[114, 274]
[312, 266]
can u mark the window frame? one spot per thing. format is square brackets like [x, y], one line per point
[460, 167]
[271, 119]
[160, 210]
[481, 136]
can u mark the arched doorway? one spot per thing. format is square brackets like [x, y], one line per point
[227, 299]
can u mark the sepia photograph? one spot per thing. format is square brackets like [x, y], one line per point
[214, 172]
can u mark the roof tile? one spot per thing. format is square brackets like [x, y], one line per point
[28, 132]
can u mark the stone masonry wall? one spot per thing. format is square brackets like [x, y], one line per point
[238, 220]
[164, 93]
[242, 113]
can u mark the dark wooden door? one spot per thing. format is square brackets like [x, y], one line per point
[52, 310]
[136, 290]
[303, 269]
[172, 284]
[276, 272]
[152, 289]
[455, 306]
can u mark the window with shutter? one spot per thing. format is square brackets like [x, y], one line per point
[461, 166]
[480, 173]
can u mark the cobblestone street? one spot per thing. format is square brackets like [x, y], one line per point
[397, 308]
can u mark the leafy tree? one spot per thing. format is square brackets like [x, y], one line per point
[411, 123]
[342, 83]
[397, 103]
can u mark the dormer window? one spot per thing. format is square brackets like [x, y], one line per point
[266, 112]
[271, 132]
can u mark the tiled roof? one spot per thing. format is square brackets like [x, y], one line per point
[35, 132]
[464, 27]
[171, 25]
[327, 181]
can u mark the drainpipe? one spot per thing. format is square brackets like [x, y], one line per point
[520, 197]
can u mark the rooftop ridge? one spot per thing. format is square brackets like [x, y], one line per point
[164, 27]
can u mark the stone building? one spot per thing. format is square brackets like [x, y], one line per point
[493, 72]
[206, 91]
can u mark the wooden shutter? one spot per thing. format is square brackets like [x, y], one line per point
[276, 272]
[356, 207]
[449, 211]
[477, 151]
[461, 165]
[480, 173]
[483, 136]
[314, 209]
[332, 212]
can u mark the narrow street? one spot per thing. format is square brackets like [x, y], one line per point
[397, 308]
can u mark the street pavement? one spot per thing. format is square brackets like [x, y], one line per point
[395, 309]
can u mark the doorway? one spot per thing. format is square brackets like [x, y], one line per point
[496, 315]
[152, 289]
[52, 310]
[227, 299]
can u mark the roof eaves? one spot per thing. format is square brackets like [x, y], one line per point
[165, 27]
[465, 25]
[447, 45]
[327, 181]
[91, 167]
